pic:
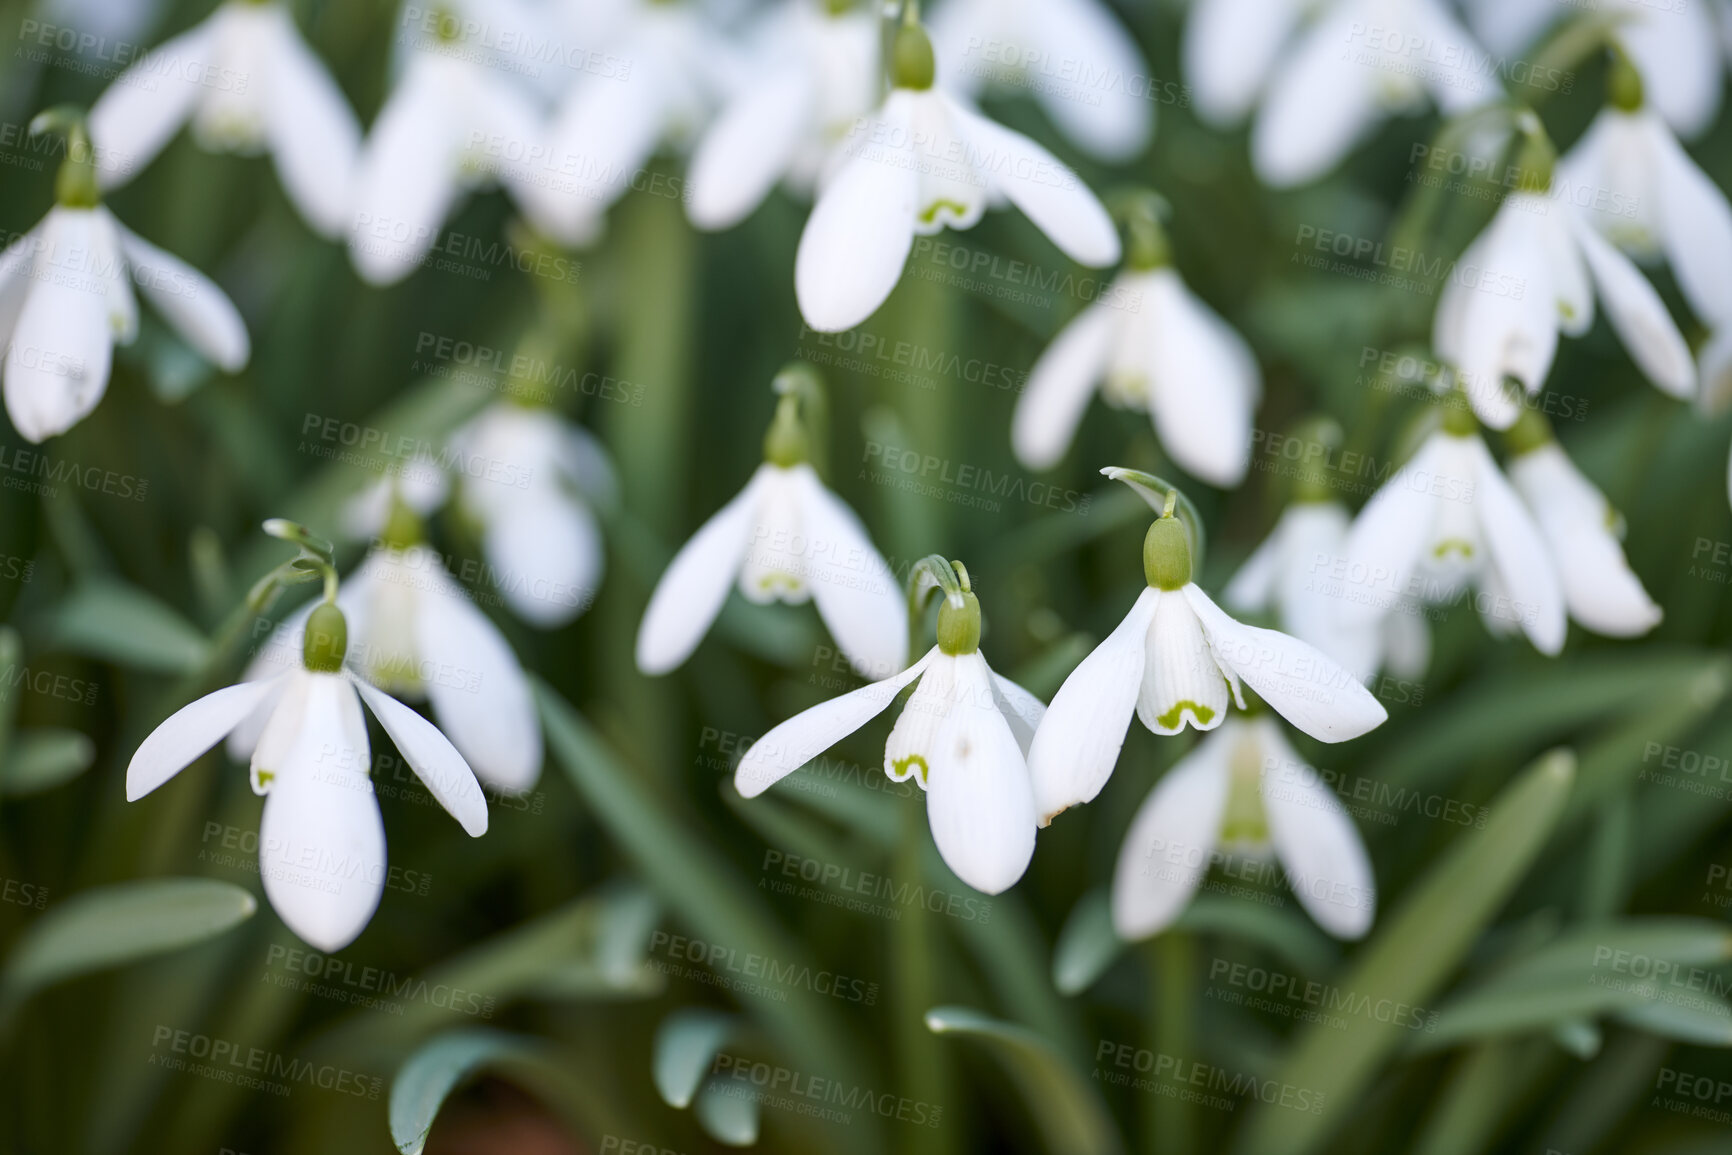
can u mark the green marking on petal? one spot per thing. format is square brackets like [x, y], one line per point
[773, 583]
[930, 213]
[901, 766]
[265, 777]
[1453, 545]
[1201, 714]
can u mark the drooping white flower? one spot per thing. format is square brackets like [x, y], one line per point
[1147, 344]
[1674, 45]
[787, 538]
[1242, 790]
[1536, 269]
[417, 634]
[321, 840]
[451, 124]
[1355, 63]
[1445, 521]
[924, 162]
[539, 534]
[963, 736]
[249, 83]
[66, 300]
[816, 73]
[1176, 660]
[1583, 532]
[1073, 56]
[1630, 178]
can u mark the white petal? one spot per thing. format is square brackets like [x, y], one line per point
[1319, 847]
[1598, 586]
[748, 149]
[546, 554]
[1318, 106]
[476, 686]
[978, 798]
[1182, 682]
[146, 105]
[17, 266]
[1204, 382]
[407, 179]
[1571, 288]
[1229, 50]
[321, 840]
[188, 733]
[1107, 109]
[861, 230]
[315, 137]
[609, 127]
[1714, 370]
[1041, 185]
[1488, 335]
[1638, 316]
[1393, 531]
[1167, 850]
[1021, 709]
[909, 750]
[433, 758]
[1060, 385]
[108, 254]
[803, 737]
[1251, 589]
[58, 362]
[1406, 642]
[1698, 230]
[1516, 551]
[858, 597]
[1302, 684]
[1078, 741]
[692, 589]
[190, 301]
[281, 729]
[1676, 51]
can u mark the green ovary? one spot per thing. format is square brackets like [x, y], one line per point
[1202, 714]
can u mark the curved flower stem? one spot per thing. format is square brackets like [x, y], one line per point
[801, 390]
[932, 573]
[1167, 500]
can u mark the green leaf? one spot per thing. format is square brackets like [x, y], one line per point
[1692, 1018]
[1069, 1112]
[1087, 945]
[686, 1046]
[1411, 956]
[107, 619]
[42, 759]
[727, 1117]
[119, 924]
[428, 1077]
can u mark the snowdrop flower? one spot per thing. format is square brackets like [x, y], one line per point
[1148, 344]
[1242, 790]
[451, 124]
[1536, 269]
[321, 840]
[818, 76]
[419, 636]
[249, 83]
[1448, 519]
[66, 299]
[1583, 533]
[1173, 661]
[1631, 179]
[963, 736]
[1674, 45]
[1073, 56]
[924, 162]
[787, 538]
[1354, 65]
[539, 535]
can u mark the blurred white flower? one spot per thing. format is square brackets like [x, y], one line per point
[1583, 532]
[249, 83]
[538, 532]
[1447, 519]
[1242, 790]
[321, 840]
[923, 162]
[963, 735]
[784, 537]
[816, 73]
[1535, 269]
[417, 634]
[1676, 47]
[1355, 63]
[1073, 56]
[66, 299]
[1629, 178]
[1150, 344]
[1173, 661]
